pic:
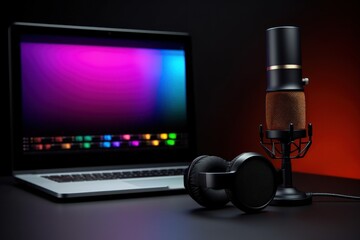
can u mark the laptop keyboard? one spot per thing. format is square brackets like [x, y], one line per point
[114, 175]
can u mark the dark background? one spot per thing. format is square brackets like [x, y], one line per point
[229, 66]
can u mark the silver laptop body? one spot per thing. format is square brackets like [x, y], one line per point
[100, 111]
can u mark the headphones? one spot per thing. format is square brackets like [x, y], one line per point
[249, 181]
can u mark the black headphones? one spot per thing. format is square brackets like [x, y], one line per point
[249, 181]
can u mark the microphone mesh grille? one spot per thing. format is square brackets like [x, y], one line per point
[283, 108]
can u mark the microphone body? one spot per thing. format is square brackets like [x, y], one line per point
[285, 98]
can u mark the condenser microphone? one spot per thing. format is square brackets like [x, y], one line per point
[285, 98]
[285, 109]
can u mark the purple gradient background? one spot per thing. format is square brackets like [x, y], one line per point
[71, 89]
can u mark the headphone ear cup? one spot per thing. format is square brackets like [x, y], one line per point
[186, 172]
[254, 183]
[206, 197]
[190, 168]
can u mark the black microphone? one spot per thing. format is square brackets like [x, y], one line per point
[285, 109]
[285, 98]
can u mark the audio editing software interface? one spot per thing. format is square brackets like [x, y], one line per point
[121, 141]
[82, 93]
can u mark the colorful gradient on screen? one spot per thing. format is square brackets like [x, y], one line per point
[97, 89]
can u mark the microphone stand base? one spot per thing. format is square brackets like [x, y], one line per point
[289, 196]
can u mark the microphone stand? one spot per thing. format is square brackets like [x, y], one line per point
[284, 146]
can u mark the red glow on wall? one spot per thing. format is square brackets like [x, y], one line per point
[331, 61]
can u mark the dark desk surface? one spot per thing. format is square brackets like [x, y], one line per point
[26, 215]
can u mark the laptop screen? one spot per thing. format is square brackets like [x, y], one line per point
[91, 96]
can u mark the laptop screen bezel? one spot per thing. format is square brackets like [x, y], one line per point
[21, 161]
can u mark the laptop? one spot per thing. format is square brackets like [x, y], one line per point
[100, 111]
